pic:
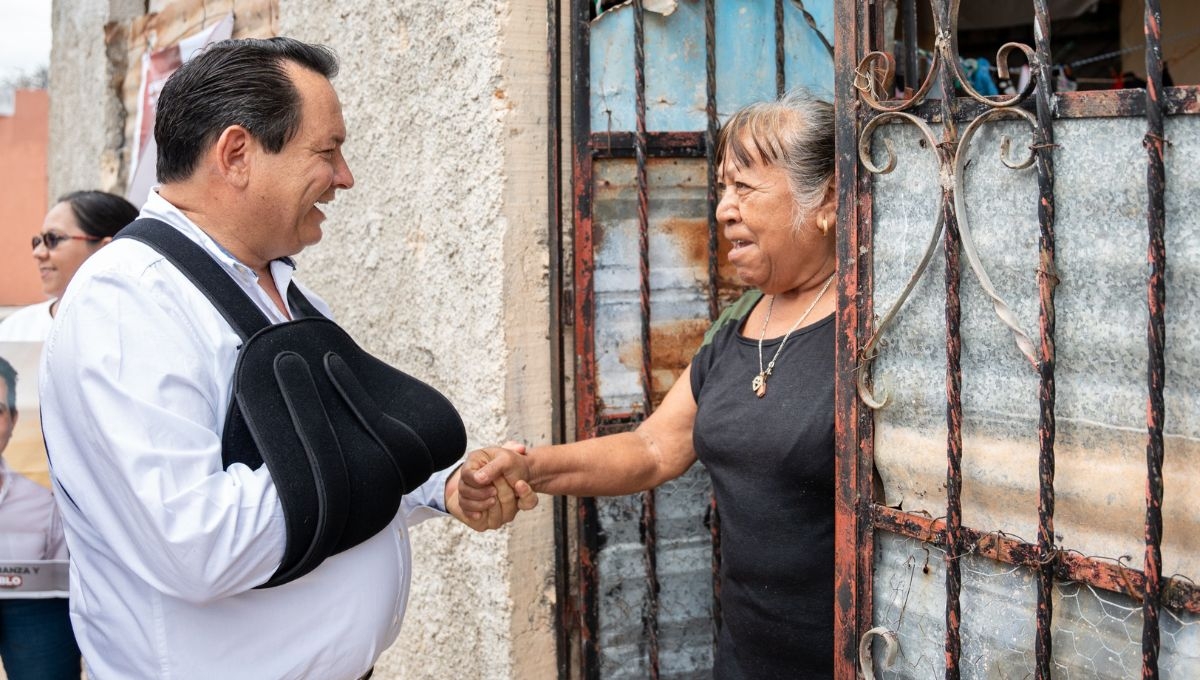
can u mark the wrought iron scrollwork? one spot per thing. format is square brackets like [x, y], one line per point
[1003, 312]
[874, 78]
[870, 349]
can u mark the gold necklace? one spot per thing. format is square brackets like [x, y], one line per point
[759, 384]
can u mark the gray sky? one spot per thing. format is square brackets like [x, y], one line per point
[24, 36]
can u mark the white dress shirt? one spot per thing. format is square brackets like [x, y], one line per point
[27, 324]
[166, 546]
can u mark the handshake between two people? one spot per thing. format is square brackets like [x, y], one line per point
[490, 487]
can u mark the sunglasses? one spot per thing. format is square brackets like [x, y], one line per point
[52, 239]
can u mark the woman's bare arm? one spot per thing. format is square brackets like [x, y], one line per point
[660, 449]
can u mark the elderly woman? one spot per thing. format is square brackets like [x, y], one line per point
[755, 405]
[75, 228]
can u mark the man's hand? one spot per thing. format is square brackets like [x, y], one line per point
[490, 505]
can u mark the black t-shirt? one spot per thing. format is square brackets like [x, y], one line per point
[771, 461]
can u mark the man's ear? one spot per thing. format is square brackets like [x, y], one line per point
[234, 153]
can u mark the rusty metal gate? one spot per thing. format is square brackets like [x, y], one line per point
[649, 83]
[1022, 372]
[952, 582]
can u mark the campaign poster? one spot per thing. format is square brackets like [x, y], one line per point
[33, 553]
[157, 66]
[25, 453]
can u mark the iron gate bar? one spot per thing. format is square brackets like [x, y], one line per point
[710, 150]
[554, 188]
[1047, 282]
[854, 550]
[908, 18]
[658, 145]
[780, 76]
[647, 526]
[581, 184]
[1178, 594]
[1155, 338]
[875, 24]
[558, 400]
[585, 322]
[643, 200]
[952, 244]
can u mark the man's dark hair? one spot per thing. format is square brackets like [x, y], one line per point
[232, 82]
[9, 374]
[100, 213]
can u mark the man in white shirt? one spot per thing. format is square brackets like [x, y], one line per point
[167, 547]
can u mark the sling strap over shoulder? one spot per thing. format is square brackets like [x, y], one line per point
[343, 434]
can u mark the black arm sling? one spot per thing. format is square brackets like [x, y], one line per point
[343, 434]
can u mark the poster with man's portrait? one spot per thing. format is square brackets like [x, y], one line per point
[25, 453]
[33, 550]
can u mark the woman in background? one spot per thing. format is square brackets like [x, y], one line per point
[78, 225]
[36, 639]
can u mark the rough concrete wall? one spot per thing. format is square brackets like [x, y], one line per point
[86, 118]
[437, 262]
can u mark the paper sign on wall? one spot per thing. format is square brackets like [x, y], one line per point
[157, 66]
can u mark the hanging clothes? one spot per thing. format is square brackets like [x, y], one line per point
[981, 79]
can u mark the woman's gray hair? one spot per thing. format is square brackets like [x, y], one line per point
[794, 132]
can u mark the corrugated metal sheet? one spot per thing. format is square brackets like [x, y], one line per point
[1101, 406]
[684, 554]
[675, 75]
[679, 308]
[678, 276]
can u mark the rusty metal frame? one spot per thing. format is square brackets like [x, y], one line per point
[858, 516]
[710, 150]
[558, 401]
[854, 434]
[585, 611]
[1047, 282]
